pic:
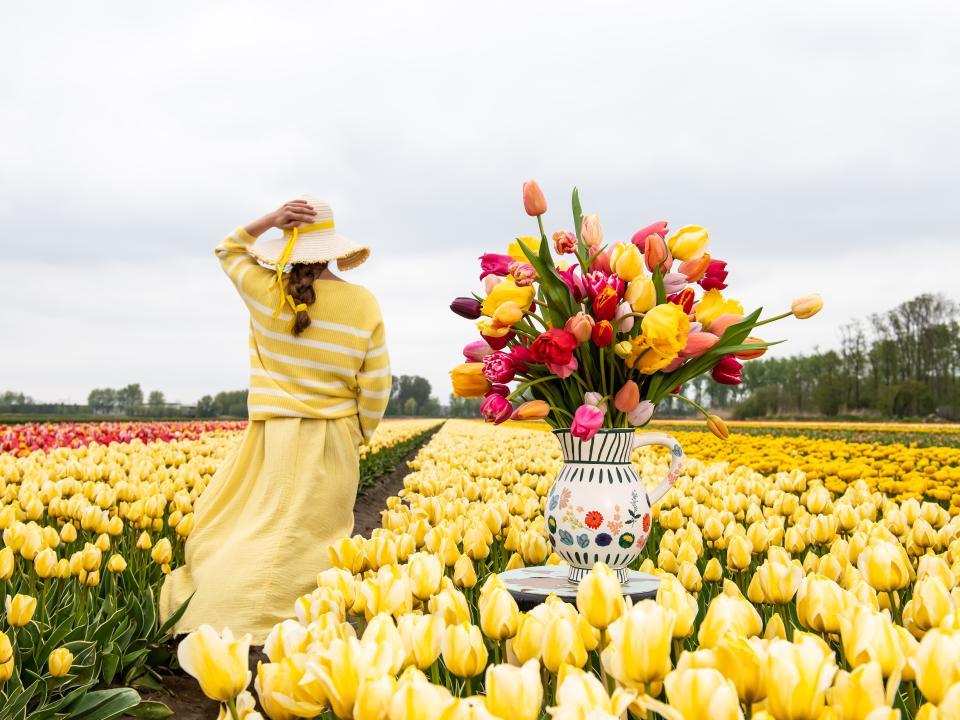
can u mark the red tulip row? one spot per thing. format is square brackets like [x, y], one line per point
[24, 439]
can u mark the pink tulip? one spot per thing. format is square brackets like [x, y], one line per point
[674, 282]
[563, 371]
[494, 264]
[498, 367]
[624, 324]
[586, 421]
[495, 408]
[640, 236]
[642, 413]
[574, 282]
[490, 282]
[476, 351]
[698, 343]
[724, 321]
[600, 260]
[580, 326]
[673, 364]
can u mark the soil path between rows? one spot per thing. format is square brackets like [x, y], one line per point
[182, 693]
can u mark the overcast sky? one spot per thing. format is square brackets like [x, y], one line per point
[816, 141]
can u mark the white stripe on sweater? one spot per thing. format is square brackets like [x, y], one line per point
[306, 342]
[319, 384]
[284, 412]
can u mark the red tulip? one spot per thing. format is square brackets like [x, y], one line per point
[727, 371]
[715, 275]
[602, 334]
[605, 303]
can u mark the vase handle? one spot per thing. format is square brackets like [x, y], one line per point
[676, 461]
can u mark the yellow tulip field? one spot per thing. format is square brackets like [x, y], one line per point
[802, 576]
[89, 529]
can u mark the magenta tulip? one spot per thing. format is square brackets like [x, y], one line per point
[495, 264]
[476, 351]
[586, 421]
[727, 371]
[715, 276]
[498, 367]
[496, 408]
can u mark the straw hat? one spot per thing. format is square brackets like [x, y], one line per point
[314, 243]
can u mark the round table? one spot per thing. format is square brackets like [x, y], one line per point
[530, 586]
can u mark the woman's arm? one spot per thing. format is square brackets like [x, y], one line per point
[235, 259]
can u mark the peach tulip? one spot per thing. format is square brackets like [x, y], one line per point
[627, 397]
[533, 200]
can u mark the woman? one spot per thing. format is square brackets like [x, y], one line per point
[319, 383]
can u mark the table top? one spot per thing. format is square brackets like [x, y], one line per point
[530, 586]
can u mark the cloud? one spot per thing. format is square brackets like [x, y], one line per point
[815, 142]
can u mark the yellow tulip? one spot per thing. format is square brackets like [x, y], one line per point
[744, 661]
[869, 636]
[6, 658]
[800, 673]
[885, 566]
[528, 641]
[639, 648]
[688, 243]
[422, 637]
[59, 662]
[626, 261]
[821, 602]
[514, 250]
[713, 572]
[374, 695]
[285, 639]
[728, 613]
[45, 563]
[562, 644]
[162, 552]
[712, 305]
[514, 692]
[464, 574]
[499, 615]
[739, 553]
[672, 595]
[507, 291]
[599, 596]
[143, 542]
[779, 581]
[342, 581]
[775, 629]
[281, 694]
[419, 700]
[641, 294]
[20, 609]
[859, 694]
[937, 663]
[702, 693]
[425, 571]
[469, 381]
[218, 662]
[7, 563]
[463, 650]
[580, 694]
[116, 564]
[806, 306]
[928, 606]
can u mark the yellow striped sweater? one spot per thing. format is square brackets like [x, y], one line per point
[336, 368]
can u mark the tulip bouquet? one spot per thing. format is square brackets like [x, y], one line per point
[623, 324]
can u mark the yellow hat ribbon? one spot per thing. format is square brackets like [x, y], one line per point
[285, 257]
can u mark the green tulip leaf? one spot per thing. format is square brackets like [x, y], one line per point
[104, 704]
[150, 710]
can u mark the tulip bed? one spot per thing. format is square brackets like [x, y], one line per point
[89, 529]
[790, 594]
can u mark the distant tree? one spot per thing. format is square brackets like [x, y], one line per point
[409, 406]
[102, 400]
[463, 407]
[156, 399]
[10, 400]
[130, 398]
[205, 407]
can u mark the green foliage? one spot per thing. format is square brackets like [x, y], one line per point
[384, 461]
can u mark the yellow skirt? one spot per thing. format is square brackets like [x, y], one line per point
[263, 525]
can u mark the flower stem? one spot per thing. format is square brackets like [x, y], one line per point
[232, 707]
[773, 319]
[691, 402]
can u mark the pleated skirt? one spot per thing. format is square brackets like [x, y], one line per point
[263, 525]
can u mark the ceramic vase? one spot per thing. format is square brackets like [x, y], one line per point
[598, 509]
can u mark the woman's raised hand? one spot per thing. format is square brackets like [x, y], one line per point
[293, 214]
[288, 216]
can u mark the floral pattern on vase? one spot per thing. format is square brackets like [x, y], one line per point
[598, 509]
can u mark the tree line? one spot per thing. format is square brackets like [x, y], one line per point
[901, 363]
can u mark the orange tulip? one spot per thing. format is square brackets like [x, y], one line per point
[698, 343]
[627, 398]
[751, 354]
[655, 253]
[718, 427]
[695, 269]
[533, 200]
[532, 410]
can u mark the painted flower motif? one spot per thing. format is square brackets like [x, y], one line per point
[603, 539]
[566, 538]
[583, 540]
[593, 519]
[565, 497]
[641, 541]
[614, 526]
[552, 523]
[626, 540]
[554, 499]
[646, 523]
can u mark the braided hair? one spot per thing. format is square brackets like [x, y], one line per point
[300, 287]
